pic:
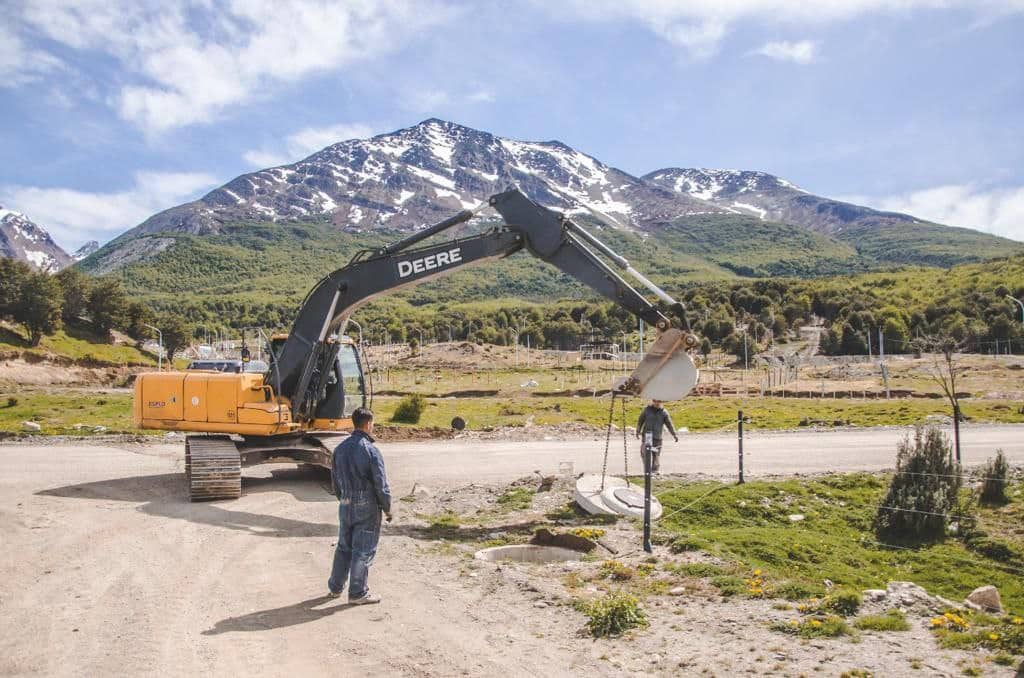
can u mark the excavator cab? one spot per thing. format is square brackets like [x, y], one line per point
[345, 386]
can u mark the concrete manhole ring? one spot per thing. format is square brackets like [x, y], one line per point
[629, 501]
[528, 553]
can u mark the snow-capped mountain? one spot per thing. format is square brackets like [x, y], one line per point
[22, 239]
[85, 250]
[422, 174]
[771, 198]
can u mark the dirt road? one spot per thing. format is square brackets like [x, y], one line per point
[105, 569]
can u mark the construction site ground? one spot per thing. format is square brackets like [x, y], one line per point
[108, 570]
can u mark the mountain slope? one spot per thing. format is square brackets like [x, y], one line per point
[266, 236]
[23, 239]
[888, 237]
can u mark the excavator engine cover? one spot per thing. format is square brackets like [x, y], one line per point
[667, 371]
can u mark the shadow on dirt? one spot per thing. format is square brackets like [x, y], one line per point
[164, 495]
[278, 617]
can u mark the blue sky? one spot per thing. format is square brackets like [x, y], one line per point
[114, 110]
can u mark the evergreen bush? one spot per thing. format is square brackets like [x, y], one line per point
[923, 491]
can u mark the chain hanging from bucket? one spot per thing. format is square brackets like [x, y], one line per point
[608, 440]
[625, 446]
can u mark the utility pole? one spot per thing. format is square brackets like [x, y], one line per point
[881, 361]
[641, 338]
[648, 443]
[746, 363]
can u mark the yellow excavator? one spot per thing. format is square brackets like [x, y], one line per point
[300, 408]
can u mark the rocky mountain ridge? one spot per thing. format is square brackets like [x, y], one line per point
[403, 180]
[24, 240]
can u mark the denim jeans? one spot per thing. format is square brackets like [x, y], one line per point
[655, 456]
[359, 518]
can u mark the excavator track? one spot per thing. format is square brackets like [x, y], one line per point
[213, 468]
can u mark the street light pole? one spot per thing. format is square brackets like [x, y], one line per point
[1019, 303]
[160, 351]
[360, 328]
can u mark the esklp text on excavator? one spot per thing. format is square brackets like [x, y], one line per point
[300, 408]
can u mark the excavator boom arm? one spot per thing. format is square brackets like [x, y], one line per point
[303, 364]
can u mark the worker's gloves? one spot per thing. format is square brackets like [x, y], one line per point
[387, 517]
[676, 439]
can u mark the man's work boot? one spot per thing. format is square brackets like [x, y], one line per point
[368, 599]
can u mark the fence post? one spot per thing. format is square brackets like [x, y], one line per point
[739, 422]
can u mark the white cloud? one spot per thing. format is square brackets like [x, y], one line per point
[19, 64]
[699, 26]
[73, 217]
[306, 142]
[999, 211]
[802, 52]
[190, 60]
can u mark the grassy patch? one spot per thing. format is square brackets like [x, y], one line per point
[748, 525]
[826, 627]
[79, 345]
[58, 413]
[893, 620]
[516, 499]
[696, 413]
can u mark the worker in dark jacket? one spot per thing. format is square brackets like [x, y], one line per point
[654, 419]
[361, 485]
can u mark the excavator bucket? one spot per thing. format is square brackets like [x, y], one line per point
[667, 371]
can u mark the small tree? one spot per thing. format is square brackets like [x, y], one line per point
[75, 286]
[923, 491]
[993, 487]
[945, 370]
[108, 305]
[177, 334]
[12, 278]
[38, 309]
[137, 317]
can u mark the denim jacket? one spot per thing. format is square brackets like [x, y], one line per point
[358, 470]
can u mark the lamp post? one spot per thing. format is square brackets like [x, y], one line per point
[160, 351]
[1019, 303]
[360, 328]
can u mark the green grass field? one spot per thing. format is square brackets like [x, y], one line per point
[74, 344]
[748, 525]
[58, 412]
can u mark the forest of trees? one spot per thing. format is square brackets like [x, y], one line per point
[968, 303]
[42, 304]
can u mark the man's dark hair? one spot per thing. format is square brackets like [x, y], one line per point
[361, 416]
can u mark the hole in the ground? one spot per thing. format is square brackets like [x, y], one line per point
[528, 553]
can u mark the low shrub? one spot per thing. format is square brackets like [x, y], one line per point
[613, 569]
[612, 615]
[842, 602]
[409, 409]
[893, 620]
[993, 488]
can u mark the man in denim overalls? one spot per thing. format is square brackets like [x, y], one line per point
[361, 485]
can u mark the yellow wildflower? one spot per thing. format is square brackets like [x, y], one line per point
[993, 636]
[938, 621]
[1018, 621]
[757, 573]
[815, 622]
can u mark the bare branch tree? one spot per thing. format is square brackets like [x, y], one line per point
[943, 352]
